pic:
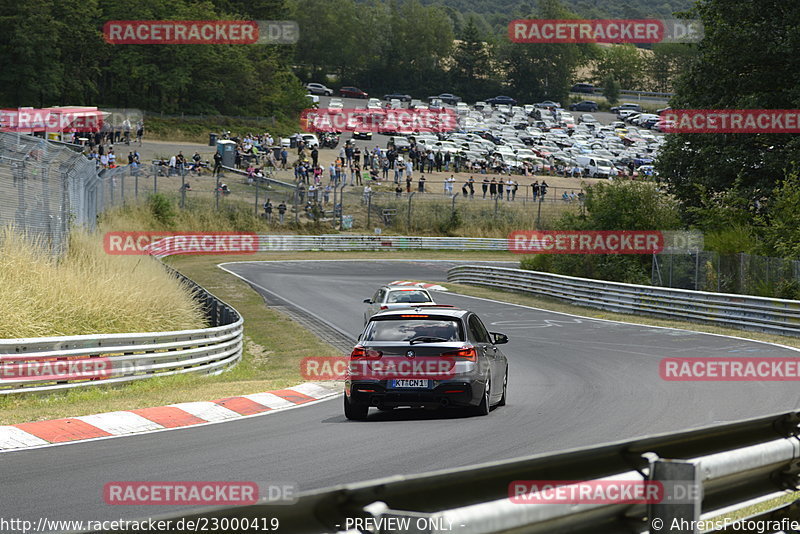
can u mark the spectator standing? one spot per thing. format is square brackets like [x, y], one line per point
[471, 183]
[514, 188]
[281, 211]
[332, 172]
[485, 185]
[217, 163]
[268, 210]
[421, 184]
[493, 188]
[535, 188]
[543, 189]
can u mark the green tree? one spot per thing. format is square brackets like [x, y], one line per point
[667, 62]
[781, 222]
[622, 62]
[472, 67]
[748, 59]
[538, 71]
[611, 89]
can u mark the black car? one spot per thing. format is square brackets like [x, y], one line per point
[447, 98]
[583, 88]
[501, 100]
[586, 105]
[399, 96]
[433, 357]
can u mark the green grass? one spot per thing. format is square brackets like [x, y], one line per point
[196, 130]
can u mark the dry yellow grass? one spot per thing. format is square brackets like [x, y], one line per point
[87, 291]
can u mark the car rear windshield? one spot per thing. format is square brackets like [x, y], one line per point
[400, 328]
[409, 296]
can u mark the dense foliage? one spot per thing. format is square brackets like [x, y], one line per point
[53, 53]
[741, 184]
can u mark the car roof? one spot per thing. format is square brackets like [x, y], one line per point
[439, 311]
[391, 286]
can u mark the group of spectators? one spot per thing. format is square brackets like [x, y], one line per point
[110, 134]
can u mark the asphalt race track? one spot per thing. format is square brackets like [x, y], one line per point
[573, 382]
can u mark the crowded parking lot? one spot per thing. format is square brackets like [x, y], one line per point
[523, 139]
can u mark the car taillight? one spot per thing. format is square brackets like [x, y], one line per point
[361, 353]
[465, 353]
[384, 307]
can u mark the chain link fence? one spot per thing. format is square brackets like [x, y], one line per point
[48, 187]
[728, 273]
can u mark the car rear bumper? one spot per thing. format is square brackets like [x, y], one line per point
[450, 393]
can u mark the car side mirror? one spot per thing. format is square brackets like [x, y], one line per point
[499, 339]
[367, 301]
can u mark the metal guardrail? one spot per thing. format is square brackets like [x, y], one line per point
[774, 316]
[705, 473]
[94, 360]
[269, 243]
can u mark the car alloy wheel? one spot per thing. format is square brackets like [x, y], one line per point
[485, 405]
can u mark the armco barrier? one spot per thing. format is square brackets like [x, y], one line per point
[125, 357]
[724, 468]
[774, 316]
[337, 242]
[377, 242]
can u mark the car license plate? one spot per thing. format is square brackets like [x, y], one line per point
[409, 383]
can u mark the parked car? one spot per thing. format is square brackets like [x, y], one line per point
[447, 98]
[352, 92]
[627, 105]
[586, 105]
[399, 96]
[400, 143]
[319, 89]
[594, 166]
[507, 100]
[583, 88]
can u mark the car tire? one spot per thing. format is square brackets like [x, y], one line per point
[328, 93]
[355, 412]
[485, 405]
[505, 388]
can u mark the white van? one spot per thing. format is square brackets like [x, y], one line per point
[595, 166]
